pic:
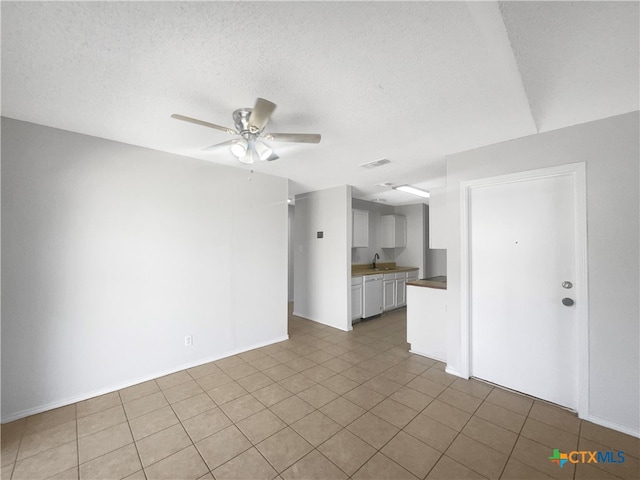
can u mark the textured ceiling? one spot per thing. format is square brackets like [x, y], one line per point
[411, 82]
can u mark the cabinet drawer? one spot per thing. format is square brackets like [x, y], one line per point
[356, 280]
[401, 275]
[389, 276]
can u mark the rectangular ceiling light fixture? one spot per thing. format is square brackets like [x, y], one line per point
[413, 190]
[375, 163]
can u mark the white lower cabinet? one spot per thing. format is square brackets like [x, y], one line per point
[389, 292]
[401, 289]
[356, 298]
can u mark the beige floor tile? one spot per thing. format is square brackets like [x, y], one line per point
[501, 416]
[426, 386]
[99, 421]
[297, 383]
[300, 364]
[180, 392]
[248, 465]
[358, 374]
[241, 371]
[6, 471]
[347, 451]
[337, 365]
[412, 398]
[316, 427]
[399, 375]
[47, 438]
[117, 464]
[255, 382]
[516, 470]
[382, 385]
[448, 469]
[444, 413]
[230, 362]
[9, 452]
[586, 471]
[342, 411]
[193, 406]
[98, 404]
[436, 375]
[144, 405]
[373, 430]
[364, 397]
[162, 444]
[173, 379]
[71, 474]
[291, 409]
[104, 441]
[461, 400]
[556, 417]
[550, 436]
[271, 394]
[264, 363]
[284, 448]
[339, 384]
[382, 468]
[252, 354]
[285, 356]
[490, 434]
[434, 434]
[261, 425]
[473, 387]
[139, 475]
[412, 454]
[227, 392]
[536, 456]
[318, 373]
[153, 422]
[221, 447]
[394, 412]
[317, 395]
[185, 464]
[209, 382]
[477, 456]
[47, 463]
[629, 469]
[140, 390]
[319, 356]
[611, 438]
[279, 372]
[206, 424]
[354, 357]
[50, 419]
[512, 401]
[203, 370]
[314, 466]
[412, 366]
[242, 407]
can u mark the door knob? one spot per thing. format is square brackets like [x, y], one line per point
[567, 284]
[567, 302]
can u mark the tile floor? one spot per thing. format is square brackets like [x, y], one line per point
[325, 404]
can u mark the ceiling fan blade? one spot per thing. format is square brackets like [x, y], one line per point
[218, 145]
[294, 137]
[204, 124]
[260, 115]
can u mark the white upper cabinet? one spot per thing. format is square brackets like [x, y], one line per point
[360, 228]
[437, 218]
[394, 231]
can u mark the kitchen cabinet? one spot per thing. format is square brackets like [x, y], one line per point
[401, 289]
[389, 291]
[437, 218]
[360, 223]
[394, 231]
[356, 299]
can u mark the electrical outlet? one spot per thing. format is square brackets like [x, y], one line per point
[188, 341]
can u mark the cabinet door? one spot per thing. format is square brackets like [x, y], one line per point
[388, 294]
[401, 292]
[360, 236]
[401, 231]
[393, 230]
[356, 302]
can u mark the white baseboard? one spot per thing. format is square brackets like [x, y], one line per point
[422, 354]
[613, 426]
[453, 371]
[115, 388]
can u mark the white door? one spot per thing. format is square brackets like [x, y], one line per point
[522, 250]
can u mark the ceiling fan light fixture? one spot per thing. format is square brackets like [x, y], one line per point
[239, 149]
[413, 190]
[247, 158]
[262, 150]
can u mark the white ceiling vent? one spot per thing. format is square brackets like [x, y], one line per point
[375, 163]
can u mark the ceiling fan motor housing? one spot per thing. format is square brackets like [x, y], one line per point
[241, 121]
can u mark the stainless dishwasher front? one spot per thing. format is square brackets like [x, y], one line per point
[372, 295]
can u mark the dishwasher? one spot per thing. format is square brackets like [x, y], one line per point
[372, 295]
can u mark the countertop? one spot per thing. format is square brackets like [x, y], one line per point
[433, 282]
[361, 270]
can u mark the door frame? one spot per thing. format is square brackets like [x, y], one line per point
[577, 171]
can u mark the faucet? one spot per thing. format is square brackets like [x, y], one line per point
[375, 257]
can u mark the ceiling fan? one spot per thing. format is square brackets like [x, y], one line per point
[249, 125]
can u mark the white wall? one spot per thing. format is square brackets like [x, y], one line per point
[413, 254]
[435, 258]
[322, 266]
[291, 220]
[610, 149]
[112, 254]
[362, 255]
